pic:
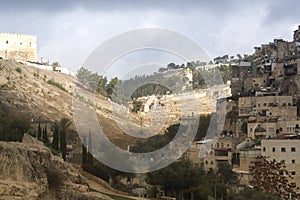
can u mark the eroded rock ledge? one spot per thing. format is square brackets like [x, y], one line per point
[30, 171]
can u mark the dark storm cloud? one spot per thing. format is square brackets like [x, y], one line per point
[104, 5]
[33, 5]
[68, 30]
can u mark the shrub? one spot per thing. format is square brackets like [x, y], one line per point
[56, 84]
[13, 128]
[18, 69]
[55, 178]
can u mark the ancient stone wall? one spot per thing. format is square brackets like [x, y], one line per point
[18, 47]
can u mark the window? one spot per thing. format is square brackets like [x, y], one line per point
[211, 162]
[293, 149]
[206, 162]
[293, 173]
[293, 161]
[282, 149]
[264, 149]
[258, 105]
[265, 104]
[273, 149]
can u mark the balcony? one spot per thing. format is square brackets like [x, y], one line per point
[222, 153]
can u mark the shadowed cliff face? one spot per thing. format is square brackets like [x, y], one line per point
[30, 171]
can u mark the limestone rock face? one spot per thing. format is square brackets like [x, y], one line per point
[30, 171]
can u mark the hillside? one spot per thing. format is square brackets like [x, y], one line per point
[47, 96]
[26, 91]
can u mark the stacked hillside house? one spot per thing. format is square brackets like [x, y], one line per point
[262, 115]
[285, 148]
[18, 47]
[268, 105]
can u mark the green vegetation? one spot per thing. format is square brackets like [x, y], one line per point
[55, 140]
[155, 84]
[39, 131]
[96, 82]
[158, 141]
[13, 128]
[64, 124]
[251, 194]
[137, 105]
[183, 179]
[155, 142]
[150, 89]
[107, 174]
[56, 84]
[18, 69]
[45, 136]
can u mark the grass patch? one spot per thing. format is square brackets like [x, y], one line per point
[56, 84]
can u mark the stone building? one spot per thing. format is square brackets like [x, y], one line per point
[246, 158]
[215, 154]
[297, 35]
[268, 115]
[18, 47]
[287, 150]
[266, 106]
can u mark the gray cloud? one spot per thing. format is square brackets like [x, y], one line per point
[68, 31]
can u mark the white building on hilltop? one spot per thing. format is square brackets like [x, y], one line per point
[18, 47]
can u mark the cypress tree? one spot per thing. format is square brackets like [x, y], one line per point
[55, 140]
[63, 144]
[39, 131]
[45, 135]
[64, 125]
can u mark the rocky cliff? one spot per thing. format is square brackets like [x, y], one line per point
[30, 171]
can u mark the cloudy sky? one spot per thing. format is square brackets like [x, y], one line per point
[68, 31]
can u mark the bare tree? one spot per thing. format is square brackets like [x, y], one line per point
[271, 177]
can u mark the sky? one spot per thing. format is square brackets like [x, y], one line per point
[68, 31]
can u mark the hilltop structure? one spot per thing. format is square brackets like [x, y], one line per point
[18, 47]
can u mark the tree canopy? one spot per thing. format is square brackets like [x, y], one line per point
[12, 128]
